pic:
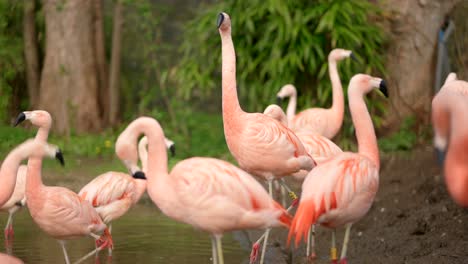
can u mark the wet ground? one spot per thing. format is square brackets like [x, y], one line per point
[413, 220]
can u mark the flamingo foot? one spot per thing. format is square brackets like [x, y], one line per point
[343, 261]
[254, 252]
[105, 241]
[9, 233]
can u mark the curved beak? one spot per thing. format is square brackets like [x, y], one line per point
[139, 175]
[172, 150]
[59, 157]
[353, 57]
[20, 118]
[440, 156]
[279, 100]
[383, 88]
[220, 20]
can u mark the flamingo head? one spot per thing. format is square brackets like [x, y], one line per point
[53, 151]
[223, 22]
[287, 90]
[170, 145]
[440, 122]
[38, 118]
[366, 83]
[340, 54]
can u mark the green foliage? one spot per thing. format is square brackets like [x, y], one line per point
[403, 140]
[279, 42]
[11, 52]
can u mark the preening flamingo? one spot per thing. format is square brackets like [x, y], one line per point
[58, 211]
[18, 198]
[9, 173]
[341, 190]
[449, 119]
[209, 194]
[326, 122]
[261, 145]
[113, 193]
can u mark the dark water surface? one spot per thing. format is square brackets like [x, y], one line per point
[143, 235]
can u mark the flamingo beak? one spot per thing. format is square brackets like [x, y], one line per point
[172, 150]
[383, 88]
[139, 175]
[59, 157]
[440, 154]
[20, 118]
[279, 100]
[220, 19]
[353, 57]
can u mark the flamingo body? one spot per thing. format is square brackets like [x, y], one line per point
[18, 195]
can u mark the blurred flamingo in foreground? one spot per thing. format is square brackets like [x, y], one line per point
[449, 119]
[261, 145]
[341, 190]
[209, 194]
[58, 211]
[113, 193]
[325, 122]
[9, 172]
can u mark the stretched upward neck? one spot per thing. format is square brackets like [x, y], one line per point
[8, 174]
[230, 100]
[365, 133]
[34, 180]
[338, 97]
[291, 110]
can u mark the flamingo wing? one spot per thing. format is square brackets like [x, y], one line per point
[318, 146]
[335, 185]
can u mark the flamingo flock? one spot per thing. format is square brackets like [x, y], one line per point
[215, 196]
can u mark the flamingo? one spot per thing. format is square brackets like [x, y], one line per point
[319, 148]
[449, 108]
[18, 199]
[341, 190]
[113, 193]
[9, 173]
[261, 145]
[209, 194]
[326, 122]
[58, 211]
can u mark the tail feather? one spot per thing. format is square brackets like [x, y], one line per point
[305, 216]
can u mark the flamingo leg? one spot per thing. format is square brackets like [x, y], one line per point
[311, 243]
[109, 250]
[267, 232]
[219, 249]
[62, 243]
[333, 254]
[8, 226]
[345, 244]
[214, 250]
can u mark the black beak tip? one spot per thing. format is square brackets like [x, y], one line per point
[353, 57]
[139, 175]
[383, 88]
[172, 150]
[279, 100]
[440, 154]
[220, 20]
[59, 157]
[20, 118]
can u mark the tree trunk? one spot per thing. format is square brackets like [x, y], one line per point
[31, 52]
[114, 92]
[102, 70]
[69, 78]
[411, 56]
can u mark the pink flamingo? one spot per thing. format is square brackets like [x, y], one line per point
[261, 145]
[341, 190]
[113, 193]
[18, 198]
[326, 122]
[9, 173]
[449, 108]
[209, 194]
[58, 211]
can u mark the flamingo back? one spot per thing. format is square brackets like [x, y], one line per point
[319, 147]
[311, 120]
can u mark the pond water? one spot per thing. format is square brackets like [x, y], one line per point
[143, 235]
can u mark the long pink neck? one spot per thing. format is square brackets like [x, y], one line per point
[338, 97]
[367, 141]
[291, 110]
[231, 107]
[140, 189]
[8, 173]
[34, 177]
